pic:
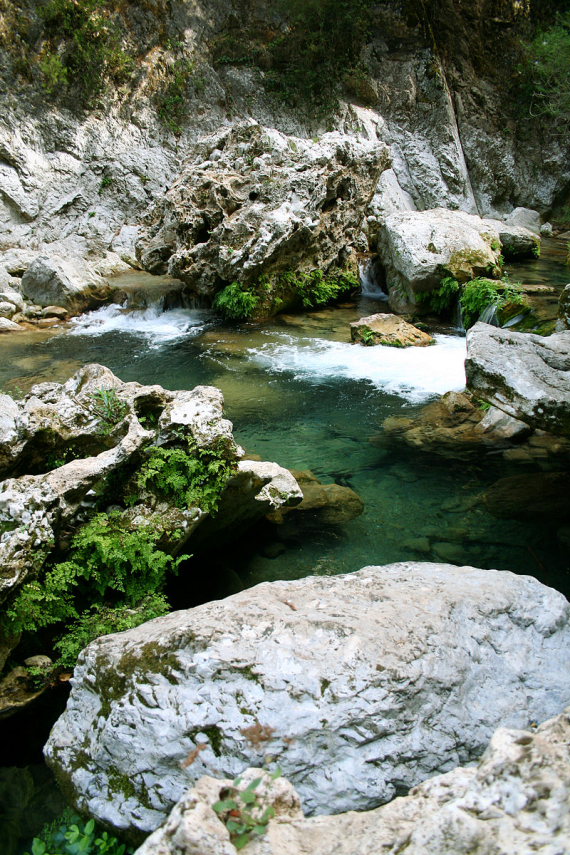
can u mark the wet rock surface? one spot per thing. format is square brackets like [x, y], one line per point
[419, 248]
[388, 330]
[355, 686]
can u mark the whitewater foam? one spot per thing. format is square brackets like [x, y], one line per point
[415, 373]
[152, 323]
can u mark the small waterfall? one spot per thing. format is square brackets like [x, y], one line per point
[457, 318]
[371, 288]
[490, 315]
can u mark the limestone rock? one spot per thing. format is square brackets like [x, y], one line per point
[388, 330]
[64, 443]
[530, 496]
[6, 325]
[51, 280]
[526, 376]
[516, 800]
[354, 685]
[526, 218]
[518, 242]
[419, 248]
[264, 201]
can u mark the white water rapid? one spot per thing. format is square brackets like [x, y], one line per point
[414, 373]
[152, 323]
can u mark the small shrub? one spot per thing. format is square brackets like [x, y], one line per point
[102, 620]
[317, 288]
[546, 72]
[72, 835]
[106, 405]
[242, 813]
[443, 297]
[235, 303]
[172, 101]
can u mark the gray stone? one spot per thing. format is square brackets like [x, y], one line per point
[419, 248]
[564, 309]
[6, 325]
[526, 376]
[7, 310]
[525, 217]
[515, 800]
[52, 281]
[354, 686]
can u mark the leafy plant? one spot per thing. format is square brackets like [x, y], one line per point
[190, 477]
[172, 101]
[236, 303]
[367, 337]
[546, 71]
[443, 297]
[72, 835]
[106, 405]
[317, 288]
[242, 813]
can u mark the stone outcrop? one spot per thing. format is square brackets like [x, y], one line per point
[389, 330]
[515, 800]
[252, 201]
[48, 281]
[355, 686]
[331, 504]
[66, 446]
[564, 309]
[419, 248]
[526, 376]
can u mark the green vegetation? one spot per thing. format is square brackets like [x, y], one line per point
[242, 813]
[236, 303]
[546, 72]
[72, 835]
[108, 407]
[189, 477]
[474, 296]
[317, 288]
[82, 48]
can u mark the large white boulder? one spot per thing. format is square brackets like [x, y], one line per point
[357, 686]
[420, 248]
[50, 280]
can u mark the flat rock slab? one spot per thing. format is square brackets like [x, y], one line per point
[388, 330]
[356, 686]
[526, 376]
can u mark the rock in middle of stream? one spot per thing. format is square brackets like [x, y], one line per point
[357, 687]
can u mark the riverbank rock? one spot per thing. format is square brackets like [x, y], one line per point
[419, 248]
[50, 281]
[388, 330]
[515, 800]
[252, 199]
[355, 686]
[531, 496]
[332, 504]
[526, 376]
[69, 447]
[456, 426]
[564, 309]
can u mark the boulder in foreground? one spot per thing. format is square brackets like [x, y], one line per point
[356, 686]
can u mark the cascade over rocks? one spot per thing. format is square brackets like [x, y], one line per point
[524, 375]
[251, 201]
[515, 800]
[355, 686]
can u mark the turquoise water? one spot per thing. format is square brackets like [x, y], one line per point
[299, 393]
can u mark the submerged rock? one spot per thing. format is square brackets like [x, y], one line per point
[515, 800]
[526, 376]
[389, 330]
[356, 686]
[419, 248]
[333, 504]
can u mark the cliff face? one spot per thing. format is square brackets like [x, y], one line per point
[82, 165]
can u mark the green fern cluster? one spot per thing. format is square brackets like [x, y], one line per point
[236, 303]
[189, 477]
[317, 288]
[474, 296]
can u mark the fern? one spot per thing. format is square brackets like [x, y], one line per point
[191, 477]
